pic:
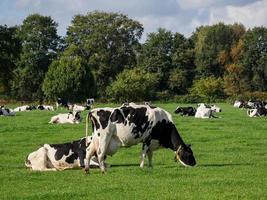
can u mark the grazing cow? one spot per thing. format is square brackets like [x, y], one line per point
[52, 157]
[257, 112]
[6, 111]
[45, 107]
[71, 117]
[206, 111]
[185, 111]
[62, 102]
[24, 108]
[89, 103]
[132, 124]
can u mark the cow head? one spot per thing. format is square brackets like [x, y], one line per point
[216, 108]
[178, 110]
[77, 116]
[185, 155]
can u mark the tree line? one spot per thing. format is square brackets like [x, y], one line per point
[101, 56]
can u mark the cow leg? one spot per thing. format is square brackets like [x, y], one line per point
[105, 138]
[149, 156]
[143, 154]
[90, 151]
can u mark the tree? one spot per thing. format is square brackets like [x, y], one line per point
[107, 42]
[9, 54]
[155, 55]
[69, 77]
[210, 42]
[253, 58]
[39, 38]
[133, 85]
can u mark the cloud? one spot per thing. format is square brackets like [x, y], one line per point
[254, 14]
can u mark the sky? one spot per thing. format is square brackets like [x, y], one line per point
[181, 16]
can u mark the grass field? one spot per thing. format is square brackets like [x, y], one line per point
[231, 153]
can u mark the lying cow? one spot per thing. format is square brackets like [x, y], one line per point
[206, 111]
[6, 112]
[239, 104]
[24, 108]
[89, 103]
[132, 124]
[52, 157]
[62, 103]
[45, 107]
[257, 112]
[71, 117]
[185, 111]
[78, 108]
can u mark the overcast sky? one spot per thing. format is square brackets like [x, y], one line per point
[176, 15]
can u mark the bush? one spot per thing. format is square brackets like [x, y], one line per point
[209, 88]
[132, 85]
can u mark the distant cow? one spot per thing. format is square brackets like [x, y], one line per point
[45, 107]
[25, 108]
[89, 103]
[239, 104]
[52, 157]
[79, 108]
[71, 117]
[257, 112]
[206, 111]
[62, 102]
[185, 111]
[131, 124]
[6, 111]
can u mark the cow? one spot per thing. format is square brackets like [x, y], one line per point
[257, 112]
[79, 108]
[71, 117]
[185, 111]
[6, 112]
[132, 124]
[45, 107]
[206, 111]
[239, 104]
[25, 108]
[62, 102]
[89, 103]
[53, 157]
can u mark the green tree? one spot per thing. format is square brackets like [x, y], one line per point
[210, 42]
[107, 42]
[133, 85]
[253, 58]
[9, 54]
[39, 38]
[155, 55]
[69, 77]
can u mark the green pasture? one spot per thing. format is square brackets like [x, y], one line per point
[231, 154]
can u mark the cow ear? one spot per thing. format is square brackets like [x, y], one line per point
[117, 116]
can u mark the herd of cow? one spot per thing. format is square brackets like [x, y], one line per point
[122, 126]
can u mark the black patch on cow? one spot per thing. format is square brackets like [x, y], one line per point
[117, 116]
[98, 134]
[78, 148]
[1, 112]
[167, 135]
[95, 122]
[40, 107]
[103, 117]
[138, 117]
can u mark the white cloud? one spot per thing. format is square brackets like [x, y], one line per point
[193, 4]
[254, 14]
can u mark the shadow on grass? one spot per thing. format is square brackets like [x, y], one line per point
[224, 164]
[124, 165]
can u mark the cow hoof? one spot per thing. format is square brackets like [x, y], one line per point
[86, 170]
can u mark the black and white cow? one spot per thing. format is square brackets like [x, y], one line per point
[6, 111]
[25, 108]
[64, 118]
[52, 157]
[45, 107]
[185, 111]
[132, 124]
[206, 111]
[257, 112]
[62, 102]
[89, 103]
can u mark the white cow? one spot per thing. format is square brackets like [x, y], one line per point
[205, 111]
[45, 107]
[71, 117]
[78, 108]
